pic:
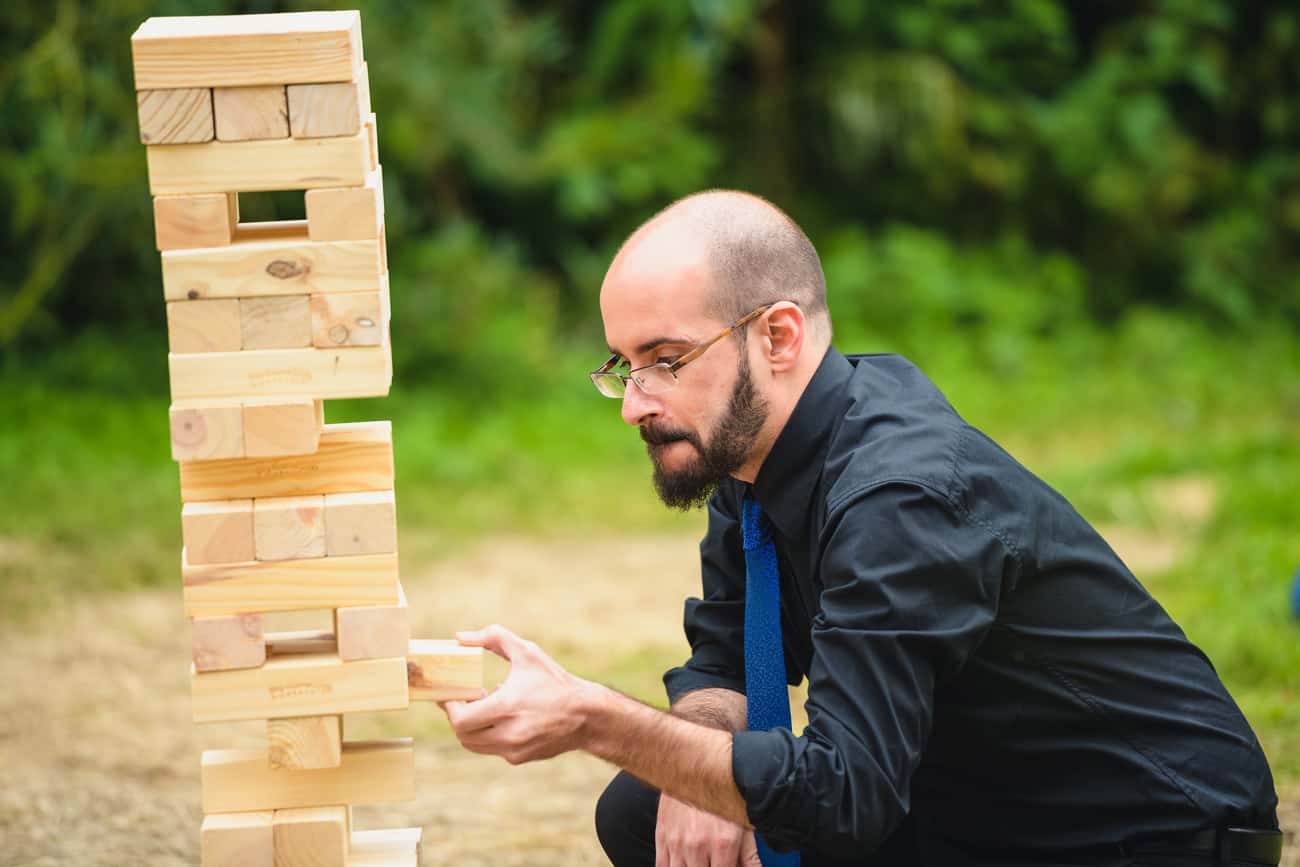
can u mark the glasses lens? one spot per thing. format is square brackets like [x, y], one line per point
[608, 384]
[654, 379]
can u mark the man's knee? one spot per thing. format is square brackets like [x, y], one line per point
[625, 821]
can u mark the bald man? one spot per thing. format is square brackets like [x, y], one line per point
[987, 683]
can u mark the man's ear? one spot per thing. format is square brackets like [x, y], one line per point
[784, 330]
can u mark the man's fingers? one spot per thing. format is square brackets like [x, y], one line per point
[495, 638]
[471, 716]
[749, 851]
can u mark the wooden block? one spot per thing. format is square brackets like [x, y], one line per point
[300, 641]
[178, 116]
[237, 840]
[203, 326]
[275, 427]
[352, 371]
[388, 847]
[373, 631]
[305, 742]
[372, 141]
[289, 528]
[360, 522]
[312, 836]
[371, 772]
[187, 222]
[351, 457]
[350, 319]
[206, 431]
[220, 531]
[261, 263]
[347, 213]
[250, 113]
[246, 166]
[308, 684]
[444, 670]
[228, 642]
[275, 322]
[321, 110]
[288, 585]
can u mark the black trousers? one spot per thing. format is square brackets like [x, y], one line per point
[625, 824]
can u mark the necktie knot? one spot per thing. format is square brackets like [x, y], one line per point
[755, 530]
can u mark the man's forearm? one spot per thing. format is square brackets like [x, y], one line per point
[713, 707]
[689, 761]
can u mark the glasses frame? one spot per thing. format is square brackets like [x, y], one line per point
[606, 369]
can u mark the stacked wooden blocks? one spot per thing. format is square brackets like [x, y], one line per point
[283, 512]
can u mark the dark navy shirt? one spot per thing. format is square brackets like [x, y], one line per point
[977, 656]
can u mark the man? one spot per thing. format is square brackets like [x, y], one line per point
[988, 684]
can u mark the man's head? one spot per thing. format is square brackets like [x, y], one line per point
[685, 275]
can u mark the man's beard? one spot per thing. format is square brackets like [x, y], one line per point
[727, 448]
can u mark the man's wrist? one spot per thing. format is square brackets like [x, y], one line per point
[594, 709]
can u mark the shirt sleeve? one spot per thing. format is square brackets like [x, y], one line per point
[911, 588]
[715, 625]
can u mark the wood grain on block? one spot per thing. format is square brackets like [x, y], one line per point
[187, 222]
[271, 263]
[288, 585]
[383, 250]
[321, 110]
[387, 847]
[289, 528]
[372, 141]
[307, 684]
[371, 772]
[250, 113]
[312, 836]
[175, 116]
[241, 50]
[247, 166]
[444, 670]
[197, 327]
[348, 319]
[227, 642]
[305, 742]
[351, 371]
[218, 532]
[357, 456]
[237, 840]
[300, 641]
[275, 322]
[206, 430]
[347, 213]
[360, 522]
[373, 631]
[282, 426]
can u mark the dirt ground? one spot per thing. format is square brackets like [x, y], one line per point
[99, 759]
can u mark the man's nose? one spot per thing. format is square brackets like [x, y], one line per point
[639, 406]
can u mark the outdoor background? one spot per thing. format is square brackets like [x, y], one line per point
[1082, 219]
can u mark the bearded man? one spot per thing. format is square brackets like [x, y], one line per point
[987, 683]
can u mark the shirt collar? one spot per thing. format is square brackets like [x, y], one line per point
[785, 482]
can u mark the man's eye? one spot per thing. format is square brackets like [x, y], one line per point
[667, 359]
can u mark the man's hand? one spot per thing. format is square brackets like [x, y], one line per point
[535, 714]
[687, 837]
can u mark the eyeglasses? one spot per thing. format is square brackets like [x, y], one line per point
[660, 376]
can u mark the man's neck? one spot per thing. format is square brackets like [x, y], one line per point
[781, 403]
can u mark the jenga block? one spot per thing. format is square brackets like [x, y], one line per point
[387, 847]
[206, 430]
[246, 166]
[288, 585]
[444, 670]
[227, 642]
[275, 322]
[237, 840]
[373, 631]
[203, 326]
[321, 110]
[300, 641]
[360, 522]
[289, 528]
[347, 213]
[260, 263]
[187, 222]
[372, 141]
[351, 457]
[371, 772]
[179, 116]
[240, 50]
[250, 113]
[307, 684]
[383, 250]
[220, 531]
[305, 742]
[274, 427]
[312, 836]
[350, 319]
[351, 371]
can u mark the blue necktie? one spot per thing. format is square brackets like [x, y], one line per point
[768, 701]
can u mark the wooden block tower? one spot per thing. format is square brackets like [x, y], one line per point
[282, 512]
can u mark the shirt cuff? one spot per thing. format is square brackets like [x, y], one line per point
[762, 764]
[683, 679]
